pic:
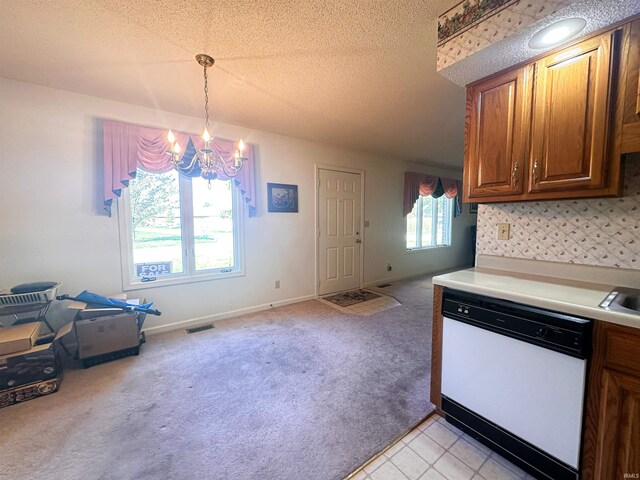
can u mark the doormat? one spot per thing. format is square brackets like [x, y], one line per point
[346, 299]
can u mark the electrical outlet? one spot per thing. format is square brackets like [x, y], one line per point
[504, 231]
[277, 283]
[389, 267]
[366, 224]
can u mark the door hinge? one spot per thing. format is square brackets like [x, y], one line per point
[318, 233]
[318, 282]
[319, 183]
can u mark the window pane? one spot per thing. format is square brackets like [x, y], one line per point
[440, 221]
[427, 220]
[155, 223]
[433, 226]
[411, 228]
[213, 224]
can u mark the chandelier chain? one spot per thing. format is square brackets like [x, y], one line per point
[206, 99]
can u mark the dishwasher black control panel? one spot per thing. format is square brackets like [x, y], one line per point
[553, 330]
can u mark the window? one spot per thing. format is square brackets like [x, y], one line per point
[175, 229]
[429, 223]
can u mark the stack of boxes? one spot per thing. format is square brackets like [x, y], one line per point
[31, 363]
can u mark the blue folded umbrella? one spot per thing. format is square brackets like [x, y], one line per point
[100, 301]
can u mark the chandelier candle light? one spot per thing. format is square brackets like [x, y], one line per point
[208, 161]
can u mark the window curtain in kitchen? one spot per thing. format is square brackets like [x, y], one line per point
[127, 147]
[416, 184]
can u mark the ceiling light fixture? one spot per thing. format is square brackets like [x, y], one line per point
[557, 32]
[209, 162]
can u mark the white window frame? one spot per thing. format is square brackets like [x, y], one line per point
[190, 274]
[447, 227]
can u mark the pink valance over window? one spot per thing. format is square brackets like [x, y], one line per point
[128, 147]
[416, 184]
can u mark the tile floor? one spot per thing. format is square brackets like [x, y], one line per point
[383, 302]
[437, 450]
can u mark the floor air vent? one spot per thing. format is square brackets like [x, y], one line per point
[200, 328]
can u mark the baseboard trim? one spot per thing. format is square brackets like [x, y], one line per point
[414, 275]
[191, 322]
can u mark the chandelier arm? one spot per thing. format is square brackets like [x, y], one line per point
[192, 163]
[233, 170]
[175, 159]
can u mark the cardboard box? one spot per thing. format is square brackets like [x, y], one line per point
[107, 334]
[37, 364]
[18, 338]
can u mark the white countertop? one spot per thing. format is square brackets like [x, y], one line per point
[562, 295]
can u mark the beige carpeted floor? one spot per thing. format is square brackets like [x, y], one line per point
[297, 392]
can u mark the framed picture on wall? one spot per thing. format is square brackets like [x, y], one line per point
[473, 208]
[282, 197]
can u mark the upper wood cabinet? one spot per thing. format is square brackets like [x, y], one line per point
[570, 118]
[496, 134]
[550, 129]
[631, 80]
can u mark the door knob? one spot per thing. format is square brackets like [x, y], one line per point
[358, 240]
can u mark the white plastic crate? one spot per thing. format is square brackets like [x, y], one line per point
[9, 300]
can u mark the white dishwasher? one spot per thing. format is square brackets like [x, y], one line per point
[514, 378]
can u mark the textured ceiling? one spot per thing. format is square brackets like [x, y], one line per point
[355, 73]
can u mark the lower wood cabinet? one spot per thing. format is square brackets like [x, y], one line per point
[611, 446]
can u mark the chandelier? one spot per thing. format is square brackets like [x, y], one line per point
[209, 162]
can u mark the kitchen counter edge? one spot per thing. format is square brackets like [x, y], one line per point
[474, 280]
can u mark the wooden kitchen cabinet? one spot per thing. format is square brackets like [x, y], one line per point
[552, 133]
[611, 444]
[569, 126]
[497, 133]
[631, 116]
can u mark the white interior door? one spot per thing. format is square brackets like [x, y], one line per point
[339, 230]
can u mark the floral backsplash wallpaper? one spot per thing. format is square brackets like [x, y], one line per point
[601, 231]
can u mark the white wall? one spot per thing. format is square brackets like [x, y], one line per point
[52, 226]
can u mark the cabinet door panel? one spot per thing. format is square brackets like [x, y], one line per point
[571, 118]
[567, 134]
[497, 129]
[495, 144]
[619, 437]
[631, 120]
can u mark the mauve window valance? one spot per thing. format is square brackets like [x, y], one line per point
[128, 147]
[416, 184]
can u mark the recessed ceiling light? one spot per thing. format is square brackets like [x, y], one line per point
[558, 32]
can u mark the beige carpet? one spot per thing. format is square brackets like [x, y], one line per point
[297, 392]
